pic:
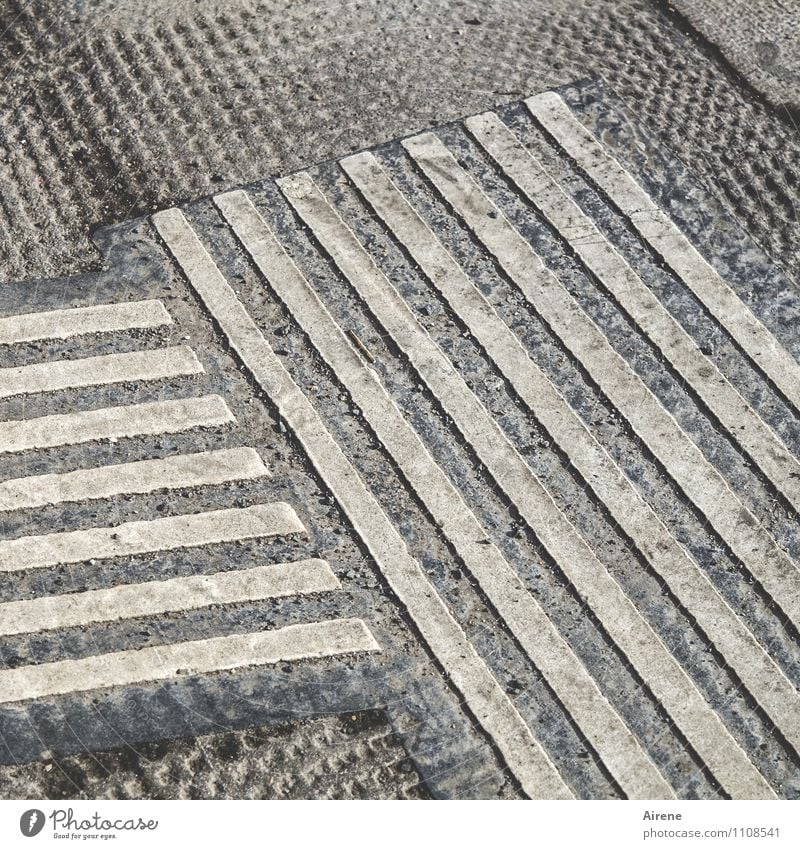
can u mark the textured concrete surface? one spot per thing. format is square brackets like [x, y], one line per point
[554, 475]
[113, 110]
[356, 756]
[760, 38]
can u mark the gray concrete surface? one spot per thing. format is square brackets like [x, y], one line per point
[563, 559]
[114, 110]
[110, 110]
[761, 39]
[356, 756]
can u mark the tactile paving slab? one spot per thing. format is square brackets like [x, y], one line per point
[494, 428]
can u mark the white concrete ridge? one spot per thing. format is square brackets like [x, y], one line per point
[617, 747]
[175, 472]
[197, 657]
[143, 537]
[664, 236]
[680, 350]
[62, 324]
[169, 596]
[157, 364]
[126, 421]
[684, 461]
[764, 679]
[483, 696]
[619, 616]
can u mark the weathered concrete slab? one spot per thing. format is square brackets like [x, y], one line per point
[114, 109]
[523, 385]
[761, 39]
[355, 756]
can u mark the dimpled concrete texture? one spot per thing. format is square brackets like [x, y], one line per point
[113, 109]
[355, 756]
[448, 443]
[761, 39]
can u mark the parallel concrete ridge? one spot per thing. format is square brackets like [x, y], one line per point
[674, 564]
[153, 417]
[526, 619]
[98, 371]
[178, 471]
[293, 642]
[127, 601]
[765, 679]
[62, 324]
[186, 531]
[483, 695]
[509, 469]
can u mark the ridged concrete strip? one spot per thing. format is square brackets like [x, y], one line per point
[197, 657]
[648, 655]
[102, 318]
[684, 461]
[618, 749]
[178, 471]
[602, 259]
[73, 610]
[126, 421]
[482, 695]
[51, 376]
[763, 678]
[143, 537]
[655, 227]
